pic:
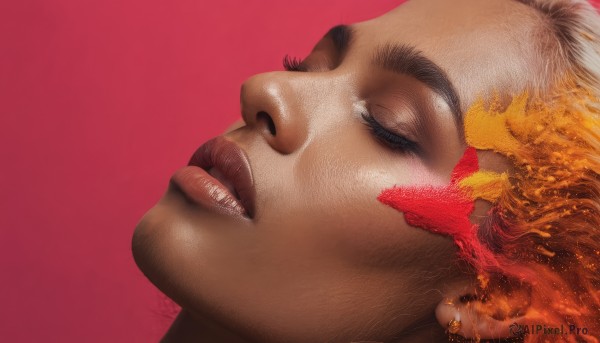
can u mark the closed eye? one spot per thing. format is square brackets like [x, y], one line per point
[393, 140]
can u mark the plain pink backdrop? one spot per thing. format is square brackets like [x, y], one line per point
[100, 102]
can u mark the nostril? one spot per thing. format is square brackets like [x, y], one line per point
[264, 116]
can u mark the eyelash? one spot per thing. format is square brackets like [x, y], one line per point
[292, 64]
[393, 140]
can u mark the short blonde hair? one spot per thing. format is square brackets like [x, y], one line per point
[569, 41]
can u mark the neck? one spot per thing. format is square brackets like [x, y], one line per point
[188, 328]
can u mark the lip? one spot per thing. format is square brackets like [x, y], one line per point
[217, 172]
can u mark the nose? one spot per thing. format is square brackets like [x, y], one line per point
[277, 105]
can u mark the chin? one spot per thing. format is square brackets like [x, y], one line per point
[150, 240]
[156, 248]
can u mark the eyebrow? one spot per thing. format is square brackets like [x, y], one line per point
[341, 36]
[408, 60]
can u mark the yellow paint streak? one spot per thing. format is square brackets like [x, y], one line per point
[485, 185]
[488, 131]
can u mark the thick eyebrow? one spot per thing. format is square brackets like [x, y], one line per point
[341, 36]
[406, 59]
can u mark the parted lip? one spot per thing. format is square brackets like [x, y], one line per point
[232, 164]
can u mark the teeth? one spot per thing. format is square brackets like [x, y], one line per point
[216, 173]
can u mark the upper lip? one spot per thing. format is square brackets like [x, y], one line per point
[234, 165]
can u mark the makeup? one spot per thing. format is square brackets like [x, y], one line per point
[485, 185]
[443, 209]
[206, 191]
[218, 178]
[544, 226]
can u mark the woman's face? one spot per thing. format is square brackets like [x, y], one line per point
[321, 258]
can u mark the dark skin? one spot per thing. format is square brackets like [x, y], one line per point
[322, 260]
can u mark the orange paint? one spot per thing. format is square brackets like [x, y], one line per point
[544, 230]
[547, 220]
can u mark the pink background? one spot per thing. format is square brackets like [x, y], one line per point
[100, 102]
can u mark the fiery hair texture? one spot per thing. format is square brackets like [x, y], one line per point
[542, 235]
[544, 229]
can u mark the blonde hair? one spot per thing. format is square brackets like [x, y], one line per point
[570, 40]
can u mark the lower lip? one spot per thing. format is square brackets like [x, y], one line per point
[201, 188]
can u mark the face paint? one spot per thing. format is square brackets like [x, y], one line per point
[544, 226]
[443, 210]
[485, 185]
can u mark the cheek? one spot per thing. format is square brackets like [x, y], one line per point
[342, 209]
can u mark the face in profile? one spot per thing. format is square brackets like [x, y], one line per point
[275, 232]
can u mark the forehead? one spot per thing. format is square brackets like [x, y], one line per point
[482, 45]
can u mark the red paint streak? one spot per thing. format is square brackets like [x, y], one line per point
[442, 209]
[467, 165]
